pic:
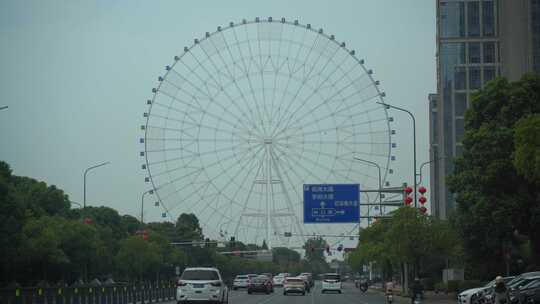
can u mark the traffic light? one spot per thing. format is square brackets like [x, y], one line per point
[311, 248]
[207, 243]
[327, 247]
[232, 242]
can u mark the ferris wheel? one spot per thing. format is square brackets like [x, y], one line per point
[247, 114]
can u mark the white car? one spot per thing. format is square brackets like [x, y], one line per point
[331, 282]
[473, 295]
[201, 284]
[240, 281]
[278, 279]
[294, 285]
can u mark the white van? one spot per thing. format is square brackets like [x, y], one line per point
[331, 282]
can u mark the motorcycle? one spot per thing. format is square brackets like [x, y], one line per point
[363, 287]
[389, 298]
[418, 298]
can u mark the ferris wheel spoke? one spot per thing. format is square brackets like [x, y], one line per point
[325, 101]
[343, 128]
[205, 182]
[242, 94]
[344, 159]
[232, 80]
[285, 120]
[336, 111]
[217, 117]
[305, 77]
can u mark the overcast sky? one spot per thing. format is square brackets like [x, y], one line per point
[76, 76]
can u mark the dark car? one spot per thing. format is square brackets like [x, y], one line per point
[527, 292]
[516, 287]
[260, 284]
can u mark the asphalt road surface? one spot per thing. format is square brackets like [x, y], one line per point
[349, 295]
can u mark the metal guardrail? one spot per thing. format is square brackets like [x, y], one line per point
[110, 294]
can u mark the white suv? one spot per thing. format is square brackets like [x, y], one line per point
[331, 282]
[240, 281]
[201, 284]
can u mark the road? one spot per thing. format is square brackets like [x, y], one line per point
[349, 295]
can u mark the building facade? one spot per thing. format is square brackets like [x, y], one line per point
[477, 40]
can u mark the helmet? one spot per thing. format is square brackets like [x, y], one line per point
[498, 279]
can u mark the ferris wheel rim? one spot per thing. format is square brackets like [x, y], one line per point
[230, 26]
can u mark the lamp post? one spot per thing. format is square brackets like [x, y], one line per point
[78, 204]
[142, 203]
[414, 145]
[380, 185]
[425, 163]
[86, 172]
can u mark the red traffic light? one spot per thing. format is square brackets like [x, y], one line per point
[423, 209]
[408, 190]
[422, 190]
[408, 200]
[422, 200]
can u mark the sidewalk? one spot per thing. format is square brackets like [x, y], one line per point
[429, 297]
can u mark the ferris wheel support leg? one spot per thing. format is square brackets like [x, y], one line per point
[247, 200]
[288, 198]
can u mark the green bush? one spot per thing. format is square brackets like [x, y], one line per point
[440, 287]
[428, 283]
[452, 286]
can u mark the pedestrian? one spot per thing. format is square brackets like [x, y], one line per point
[502, 296]
[417, 290]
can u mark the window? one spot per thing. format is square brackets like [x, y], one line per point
[460, 78]
[488, 18]
[489, 52]
[452, 18]
[489, 73]
[200, 275]
[474, 52]
[474, 78]
[473, 19]
[460, 103]
[535, 33]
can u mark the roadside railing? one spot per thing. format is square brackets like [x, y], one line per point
[110, 294]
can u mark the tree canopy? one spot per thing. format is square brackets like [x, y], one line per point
[496, 191]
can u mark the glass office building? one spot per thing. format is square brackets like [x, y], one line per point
[477, 40]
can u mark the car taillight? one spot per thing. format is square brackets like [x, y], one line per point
[180, 284]
[216, 284]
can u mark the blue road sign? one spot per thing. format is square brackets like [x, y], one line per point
[331, 203]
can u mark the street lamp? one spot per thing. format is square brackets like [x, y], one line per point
[425, 163]
[86, 172]
[380, 185]
[78, 204]
[142, 203]
[414, 145]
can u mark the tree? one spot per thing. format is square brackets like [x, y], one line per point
[188, 228]
[493, 200]
[137, 257]
[285, 256]
[41, 244]
[527, 148]
[314, 250]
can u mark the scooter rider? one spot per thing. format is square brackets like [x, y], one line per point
[417, 290]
